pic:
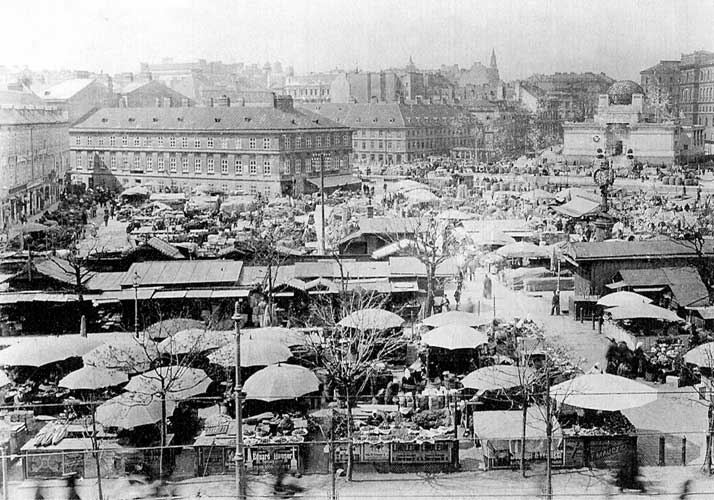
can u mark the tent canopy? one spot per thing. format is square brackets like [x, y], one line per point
[619, 299]
[454, 337]
[643, 311]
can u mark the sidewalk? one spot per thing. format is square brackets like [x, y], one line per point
[664, 482]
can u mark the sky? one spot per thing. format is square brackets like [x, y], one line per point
[618, 37]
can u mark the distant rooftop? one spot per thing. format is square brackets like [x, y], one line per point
[67, 89]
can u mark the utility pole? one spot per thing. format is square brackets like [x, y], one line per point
[135, 283]
[322, 202]
[238, 389]
[548, 434]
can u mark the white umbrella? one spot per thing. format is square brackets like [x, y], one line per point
[176, 382]
[420, 196]
[371, 319]
[523, 249]
[166, 327]
[497, 377]
[602, 391]
[623, 299]
[126, 354]
[130, 410]
[278, 382]
[195, 340]
[454, 337]
[455, 318]
[45, 350]
[702, 355]
[643, 311]
[254, 351]
[92, 378]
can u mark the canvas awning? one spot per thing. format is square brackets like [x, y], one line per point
[578, 207]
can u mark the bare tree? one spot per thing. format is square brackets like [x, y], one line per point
[432, 242]
[350, 356]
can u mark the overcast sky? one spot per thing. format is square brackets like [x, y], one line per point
[618, 37]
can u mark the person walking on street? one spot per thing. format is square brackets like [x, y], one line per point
[555, 303]
[106, 217]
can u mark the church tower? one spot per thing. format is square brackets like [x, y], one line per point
[493, 77]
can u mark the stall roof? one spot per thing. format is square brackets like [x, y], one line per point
[412, 266]
[165, 248]
[334, 181]
[182, 273]
[685, 282]
[105, 281]
[60, 270]
[255, 275]
[643, 249]
[578, 207]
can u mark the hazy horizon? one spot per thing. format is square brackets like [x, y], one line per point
[619, 38]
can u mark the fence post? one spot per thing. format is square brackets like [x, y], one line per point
[5, 495]
[684, 450]
[661, 451]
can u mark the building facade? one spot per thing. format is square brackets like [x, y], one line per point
[151, 93]
[251, 150]
[623, 129]
[661, 85]
[34, 157]
[78, 97]
[390, 133]
[696, 98]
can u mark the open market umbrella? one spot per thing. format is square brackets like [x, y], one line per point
[618, 299]
[702, 355]
[454, 337]
[195, 340]
[45, 350]
[282, 381]
[179, 382]
[130, 410]
[254, 351]
[643, 311]
[371, 319]
[497, 377]
[455, 318]
[92, 378]
[420, 196]
[127, 354]
[603, 391]
[164, 328]
[522, 250]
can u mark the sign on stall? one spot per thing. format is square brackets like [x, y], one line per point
[375, 452]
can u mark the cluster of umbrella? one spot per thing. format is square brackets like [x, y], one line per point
[630, 305]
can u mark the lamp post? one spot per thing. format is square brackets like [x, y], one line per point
[135, 283]
[238, 390]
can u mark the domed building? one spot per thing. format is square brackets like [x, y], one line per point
[621, 92]
[624, 130]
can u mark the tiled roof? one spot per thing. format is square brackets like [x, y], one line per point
[209, 118]
[28, 116]
[174, 272]
[15, 98]
[645, 249]
[685, 282]
[386, 115]
[66, 89]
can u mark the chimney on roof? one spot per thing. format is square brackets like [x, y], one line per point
[222, 102]
[283, 103]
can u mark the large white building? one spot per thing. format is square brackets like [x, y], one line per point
[268, 150]
[623, 127]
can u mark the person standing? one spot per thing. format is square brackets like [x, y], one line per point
[555, 303]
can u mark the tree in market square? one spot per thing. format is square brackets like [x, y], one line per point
[164, 368]
[432, 242]
[351, 356]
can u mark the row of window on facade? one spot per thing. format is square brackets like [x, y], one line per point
[290, 166]
[411, 132]
[224, 143]
[434, 143]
